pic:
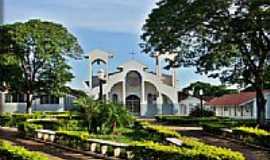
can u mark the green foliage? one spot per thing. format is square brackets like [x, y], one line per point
[102, 117]
[213, 128]
[28, 129]
[253, 135]
[151, 150]
[37, 52]
[208, 89]
[228, 39]
[197, 112]
[11, 152]
[188, 120]
[196, 149]
[71, 125]
[13, 119]
[254, 131]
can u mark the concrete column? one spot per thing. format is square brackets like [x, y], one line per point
[124, 92]
[158, 72]
[159, 103]
[143, 103]
[62, 103]
[107, 72]
[2, 102]
[90, 74]
[254, 109]
[174, 78]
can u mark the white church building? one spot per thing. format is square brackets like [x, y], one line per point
[145, 93]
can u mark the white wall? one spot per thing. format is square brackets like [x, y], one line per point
[190, 103]
[21, 107]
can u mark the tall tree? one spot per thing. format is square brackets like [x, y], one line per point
[229, 39]
[33, 58]
[208, 89]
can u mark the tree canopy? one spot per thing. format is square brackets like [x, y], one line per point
[228, 39]
[33, 58]
[208, 89]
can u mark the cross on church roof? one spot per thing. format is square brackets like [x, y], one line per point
[132, 54]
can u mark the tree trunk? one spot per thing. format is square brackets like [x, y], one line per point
[261, 102]
[29, 100]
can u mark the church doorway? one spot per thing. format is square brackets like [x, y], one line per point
[133, 104]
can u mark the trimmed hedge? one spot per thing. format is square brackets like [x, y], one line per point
[204, 150]
[186, 120]
[198, 121]
[10, 152]
[28, 129]
[213, 128]
[253, 135]
[149, 150]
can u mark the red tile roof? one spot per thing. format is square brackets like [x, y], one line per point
[232, 99]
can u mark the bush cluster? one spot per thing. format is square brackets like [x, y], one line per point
[198, 112]
[213, 127]
[102, 118]
[28, 129]
[150, 151]
[253, 135]
[186, 120]
[10, 152]
[190, 145]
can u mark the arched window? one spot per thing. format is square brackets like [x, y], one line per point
[115, 98]
[151, 98]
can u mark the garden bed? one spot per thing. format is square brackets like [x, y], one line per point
[10, 152]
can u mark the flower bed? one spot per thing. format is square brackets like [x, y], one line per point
[10, 152]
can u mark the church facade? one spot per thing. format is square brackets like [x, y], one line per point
[145, 93]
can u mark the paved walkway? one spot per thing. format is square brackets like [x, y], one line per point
[49, 151]
[249, 152]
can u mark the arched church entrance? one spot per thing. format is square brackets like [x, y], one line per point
[133, 104]
[133, 92]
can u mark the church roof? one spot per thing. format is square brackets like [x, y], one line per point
[98, 54]
[132, 63]
[233, 99]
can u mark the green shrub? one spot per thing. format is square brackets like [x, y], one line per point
[253, 135]
[102, 118]
[28, 129]
[198, 112]
[192, 144]
[13, 119]
[72, 125]
[50, 124]
[213, 127]
[10, 152]
[150, 151]
[187, 120]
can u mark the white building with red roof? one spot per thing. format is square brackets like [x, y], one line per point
[239, 105]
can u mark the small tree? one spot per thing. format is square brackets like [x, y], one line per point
[33, 58]
[229, 39]
[102, 117]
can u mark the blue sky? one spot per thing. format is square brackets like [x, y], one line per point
[110, 25]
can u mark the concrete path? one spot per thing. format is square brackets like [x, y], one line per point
[49, 151]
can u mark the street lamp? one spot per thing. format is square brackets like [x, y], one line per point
[201, 98]
[101, 78]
